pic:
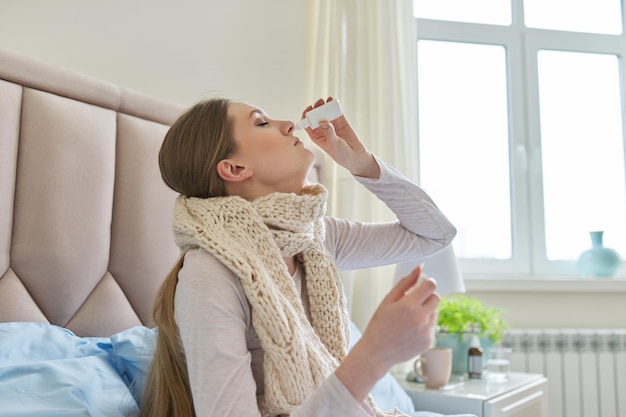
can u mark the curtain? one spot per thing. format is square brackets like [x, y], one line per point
[364, 53]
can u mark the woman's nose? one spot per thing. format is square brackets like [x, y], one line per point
[288, 127]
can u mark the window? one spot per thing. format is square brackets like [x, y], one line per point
[521, 129]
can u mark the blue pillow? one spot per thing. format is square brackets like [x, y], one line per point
[47, 370]
[387, 393]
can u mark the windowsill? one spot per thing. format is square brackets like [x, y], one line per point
[597, 285]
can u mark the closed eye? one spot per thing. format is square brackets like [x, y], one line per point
[259, 117]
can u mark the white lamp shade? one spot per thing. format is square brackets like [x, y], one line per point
[443, 267]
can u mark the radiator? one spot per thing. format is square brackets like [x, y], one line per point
[586, 368]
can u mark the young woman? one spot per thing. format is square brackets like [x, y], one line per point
[252, 320]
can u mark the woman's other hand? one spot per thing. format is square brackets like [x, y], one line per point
[400, 329]
[402, 326]
[339, 140]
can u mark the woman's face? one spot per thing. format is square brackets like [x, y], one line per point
[277, 159]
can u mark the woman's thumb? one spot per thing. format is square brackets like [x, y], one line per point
[328, 129]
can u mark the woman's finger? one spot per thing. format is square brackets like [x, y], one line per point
[404, 285]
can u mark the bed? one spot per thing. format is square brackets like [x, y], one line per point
[85, 241]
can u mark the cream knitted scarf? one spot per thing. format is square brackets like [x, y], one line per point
[251, 239]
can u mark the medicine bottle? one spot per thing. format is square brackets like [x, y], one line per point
[328, 111]
[475, 359]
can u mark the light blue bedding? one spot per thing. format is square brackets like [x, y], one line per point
[48, 371]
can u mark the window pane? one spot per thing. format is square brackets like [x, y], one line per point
[582, 151]
[463, 130]
[593, 16]
[494, 12]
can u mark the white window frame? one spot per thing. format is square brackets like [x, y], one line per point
[522, 44]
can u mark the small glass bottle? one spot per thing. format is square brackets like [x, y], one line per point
[475, 359]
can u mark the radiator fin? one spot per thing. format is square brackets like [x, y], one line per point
[586, 368]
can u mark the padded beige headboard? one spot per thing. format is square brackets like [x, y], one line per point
[85, 219]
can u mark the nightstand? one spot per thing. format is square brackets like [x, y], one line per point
[523, 395]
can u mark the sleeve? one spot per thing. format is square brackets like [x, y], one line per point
[331, 399]
[213, 317]
[421, 228]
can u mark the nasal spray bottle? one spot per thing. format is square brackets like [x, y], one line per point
[328, 111]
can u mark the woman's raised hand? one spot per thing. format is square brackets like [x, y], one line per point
[400, 329]
[339, 140]
[402, 326]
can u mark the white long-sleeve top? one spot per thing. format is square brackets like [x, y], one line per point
[223, 352]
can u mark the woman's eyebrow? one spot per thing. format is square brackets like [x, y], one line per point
[256, 111]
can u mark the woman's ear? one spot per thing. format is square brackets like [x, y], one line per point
[229, 171]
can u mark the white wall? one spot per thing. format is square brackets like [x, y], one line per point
[251, 50]
[183, 50]
[564, 309]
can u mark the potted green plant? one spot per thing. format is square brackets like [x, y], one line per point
[460, 318]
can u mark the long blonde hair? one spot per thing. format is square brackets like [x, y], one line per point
[188, 159]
